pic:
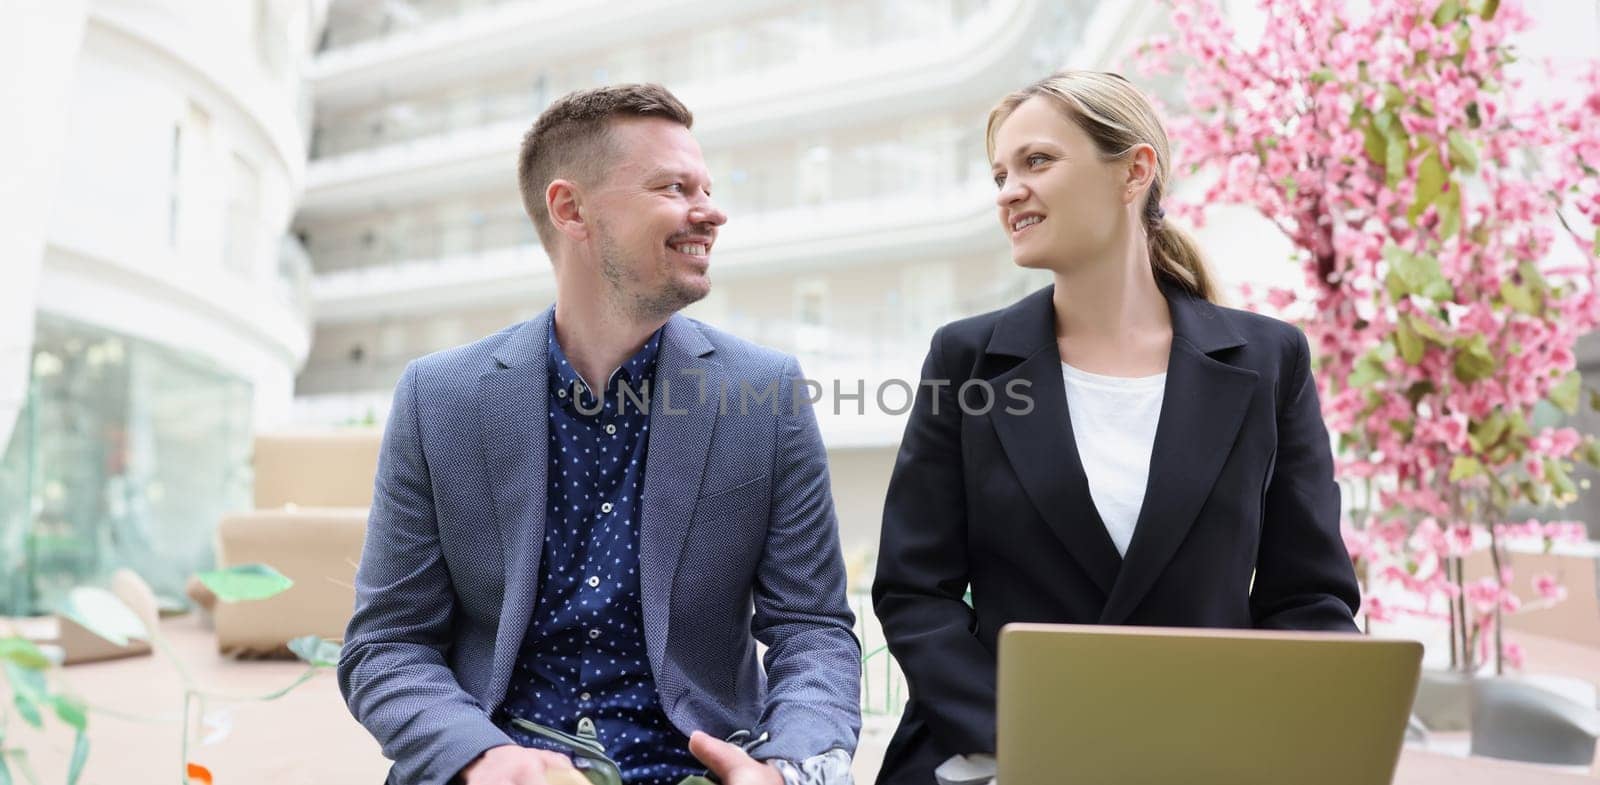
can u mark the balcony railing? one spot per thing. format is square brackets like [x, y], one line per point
[702, 57]
[368, 22]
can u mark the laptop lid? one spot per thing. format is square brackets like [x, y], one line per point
[1150, 706]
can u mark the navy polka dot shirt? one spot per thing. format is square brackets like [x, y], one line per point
[584, 654]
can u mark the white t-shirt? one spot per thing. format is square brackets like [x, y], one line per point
[1114, 424]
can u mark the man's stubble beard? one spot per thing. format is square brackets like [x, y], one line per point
[627, 291]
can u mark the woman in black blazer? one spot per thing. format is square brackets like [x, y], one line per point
[1221, 511]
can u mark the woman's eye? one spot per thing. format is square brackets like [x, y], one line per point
[1000, 181]
[1036, 159]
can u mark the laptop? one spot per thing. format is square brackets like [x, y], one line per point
[1155, 706]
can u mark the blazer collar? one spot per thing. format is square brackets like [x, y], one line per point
[1029, 324]
[529, 343]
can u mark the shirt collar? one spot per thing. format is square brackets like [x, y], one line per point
[634, 371]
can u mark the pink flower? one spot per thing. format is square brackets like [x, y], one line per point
[1549, 588]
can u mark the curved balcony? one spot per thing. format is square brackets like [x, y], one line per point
[872, 231]
[436, 47]
[985, 59]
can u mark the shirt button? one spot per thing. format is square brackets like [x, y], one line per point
[606, 507]
[594, 581]
[594, 633]
[584, 696]
[611, 429]
[561, 393]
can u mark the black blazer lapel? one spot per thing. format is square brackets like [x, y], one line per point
[1040, 444]
[1202, 409]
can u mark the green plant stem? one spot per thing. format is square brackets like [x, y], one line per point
[1499, 581]
[160, 643]
[270, 696]
[183, 765]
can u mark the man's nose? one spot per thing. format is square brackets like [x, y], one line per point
[706, 212]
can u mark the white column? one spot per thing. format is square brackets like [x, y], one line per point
[39, 42]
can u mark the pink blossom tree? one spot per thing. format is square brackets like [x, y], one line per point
[1447, 231]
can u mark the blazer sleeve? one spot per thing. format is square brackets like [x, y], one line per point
[1304, 578]
[922, 574]
[392, 670]
[813, 660]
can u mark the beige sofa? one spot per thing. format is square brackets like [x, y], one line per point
[312, 490]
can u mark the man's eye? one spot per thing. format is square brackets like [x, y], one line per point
[676, 187]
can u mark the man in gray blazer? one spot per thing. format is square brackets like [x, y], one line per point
[583, 524]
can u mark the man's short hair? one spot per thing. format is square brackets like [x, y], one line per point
[572, 138]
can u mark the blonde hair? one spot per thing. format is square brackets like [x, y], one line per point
[1117, 117]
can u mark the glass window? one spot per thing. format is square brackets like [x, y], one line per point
[126, 455]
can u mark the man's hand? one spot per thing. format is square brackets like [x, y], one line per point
[731, 765]
[510, 764]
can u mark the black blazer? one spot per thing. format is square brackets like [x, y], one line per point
[1241, 484]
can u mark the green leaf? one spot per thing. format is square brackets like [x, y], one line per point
[1489, 8]
[1594, 400]
[1565, 394]
[29, 709]
[1473, 360]
[1489, 430]
[1321, 76]
[1414, 274]
[5, 773]
[1431, 180]
[71, 711]
[1426, 329]
[80, 754]
[245, 582]
[1449, 208]
[1367, 370]
[102, 613]
[1499, 497]
[26, 681]
[1518, 297]
[1462, 154]
[1560, 481]
[22, 652]
[1448, 12]
[1395, 158]
[1372, 138]
[1590, 452]
[316, 651]
[1464, 467]
[1408, 342]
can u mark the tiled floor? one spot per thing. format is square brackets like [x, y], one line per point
[308, 737]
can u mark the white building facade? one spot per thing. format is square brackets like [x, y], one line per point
[159, 318]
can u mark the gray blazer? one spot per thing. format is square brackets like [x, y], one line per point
[737, 543]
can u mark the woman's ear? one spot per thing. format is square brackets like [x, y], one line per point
[565, 203]
[1141, 172]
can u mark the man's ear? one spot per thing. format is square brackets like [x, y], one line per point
[564, 201]
[1141, 172]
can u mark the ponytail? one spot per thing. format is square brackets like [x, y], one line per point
[1174, 255]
